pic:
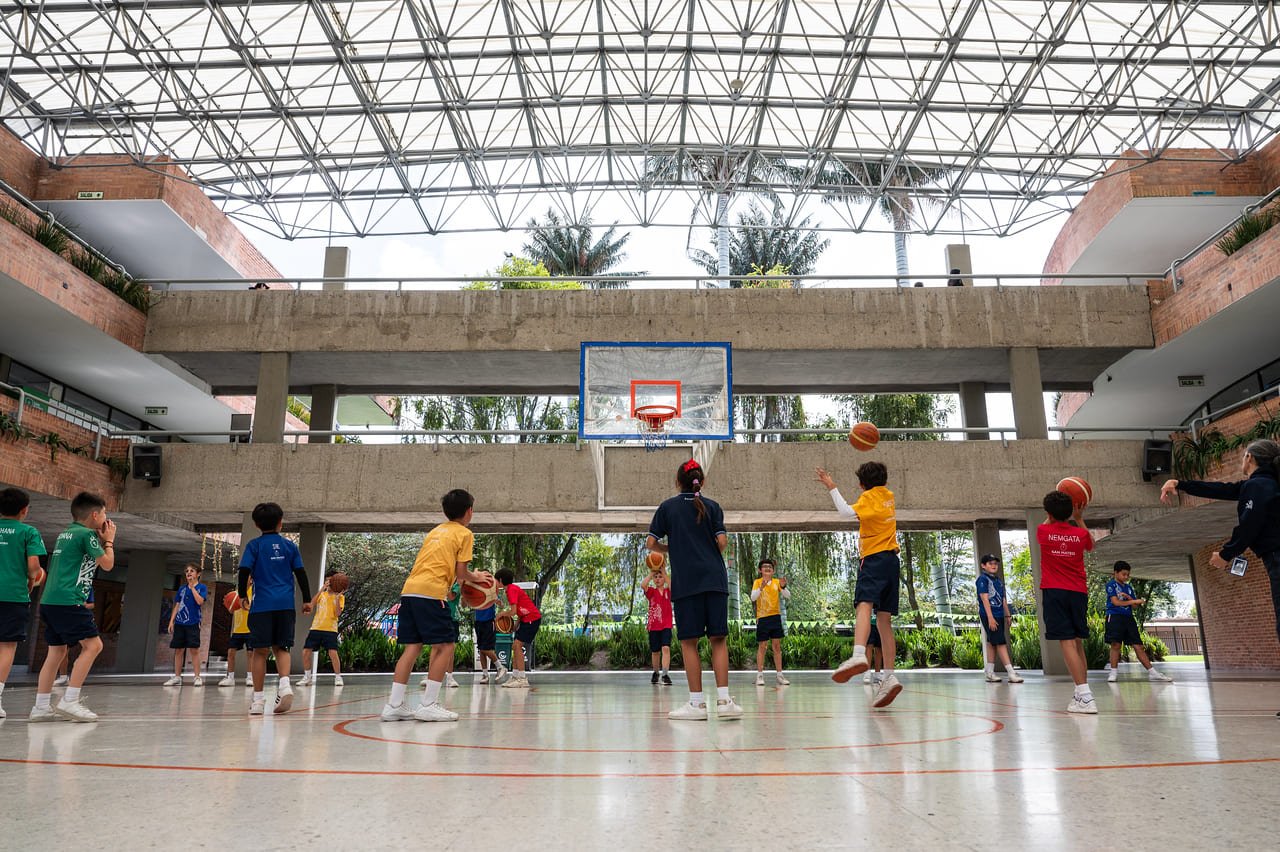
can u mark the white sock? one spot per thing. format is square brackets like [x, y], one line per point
[695, 698]
[284, 683]
[259, 696]
[433, 691]
[888, 669]
[397, 694]
[859, 652]
[664, 674]
[991, 668]
[42, 700]
[1, 687]
[1083, 690]
[72, 694]
[722, 693]
[1009, 668]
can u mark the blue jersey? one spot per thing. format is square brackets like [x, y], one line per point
[271, 559]
[697, 565]
[486, 614]
[188, 611]
[1122, 590]
[994, 589]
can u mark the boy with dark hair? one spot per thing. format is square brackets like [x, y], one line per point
[993, 612]
[239, 641]
[879, 574]
[1063, 540]
[184, 625]
[487, 644]
[766, 594]
[424, 617]
[323, 635]
[273, 563]
[20, 572]
[1122, 625]
[85, 546]
[530, 619]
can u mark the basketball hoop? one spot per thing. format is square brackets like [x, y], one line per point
[653, 420]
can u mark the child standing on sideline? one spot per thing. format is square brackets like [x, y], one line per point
[530, 617]
[657, 590]
[273, 563]
[184, 625]
[487, 644]
[1122, 625]
[442, 559]
[1063, 541]
[766, 593]
[85, 546]
[20, 552]
[879, 574]
[239, 641]
[995, 618]
[693, 526]
[323, 634]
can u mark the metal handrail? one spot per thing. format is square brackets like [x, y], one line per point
[1245, 211]
[81, 419]
[1222, 412]
[52, 220]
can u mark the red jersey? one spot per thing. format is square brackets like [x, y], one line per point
[1062, 549]
[523, 604]
[659, 607]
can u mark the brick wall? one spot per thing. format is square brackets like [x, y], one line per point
[26, 463]
[19, 165]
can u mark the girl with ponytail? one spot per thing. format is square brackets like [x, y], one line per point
[693, 527]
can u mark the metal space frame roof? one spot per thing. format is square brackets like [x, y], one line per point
[369, 117]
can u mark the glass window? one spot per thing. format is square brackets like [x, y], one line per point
[25, 377]
[1270, 375]
[85, 403]
[1240, 391]
[127, 422]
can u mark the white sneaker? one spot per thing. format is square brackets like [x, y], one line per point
[337, 680]
[284, 700]
[305, 681]
[434, 713]
[198, 682]
[503, 674]
[759, 679]
[992, 677]
[886, 692]
[3, 715]
[396, 713]
[176, 680]
[61, 680]
[449, 681]
[877, 678]
[727, 708]
[516, 683]
[229, 680]
[1014, 677]
[849, 668]
[782, 680]
[1083, 704]
[1112, 675]
[1158, 677]
[257, 708]
[482, 678]
[687, 712]
[46, 714]
[75, 711]
[1107, 667]
[866, 678]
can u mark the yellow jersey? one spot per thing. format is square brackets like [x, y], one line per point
[327, 607]
[436, 565]
[240, 618]
[877, 523]
[767, 604]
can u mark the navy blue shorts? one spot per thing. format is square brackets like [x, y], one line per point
[659, 639]
[240, 641]
[185, 636]
[526, 630]
[271, 629]
[321, 639]
[486, 636]
[1065, 614]
[703, 614]
[13, 621]
[879, 577]
[67, 624]
[769, 627]
[426, 621]
[997, 636]
[873, 638]
[1123, 629]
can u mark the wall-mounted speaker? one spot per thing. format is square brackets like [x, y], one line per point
[145, 463]
[1157, 459]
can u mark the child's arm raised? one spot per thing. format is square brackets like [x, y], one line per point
[842, 507]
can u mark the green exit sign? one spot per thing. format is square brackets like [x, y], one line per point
[88, 196]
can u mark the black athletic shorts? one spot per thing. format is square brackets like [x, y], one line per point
[769, 627]
[526, 630]
[240, 641]
[426, 621]
[873, 638]
[879, 577]
[1065, 614]
[67, 624]
[659, 639]
[321, 640]
[486, 636]
[13, 621]
[997, 636]
[185, 636]
[271, 629]
[1123, 629]
[703, 614]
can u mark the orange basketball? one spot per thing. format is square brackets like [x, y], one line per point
[479, 595]
[338, 583]
[231, 601]
[864, 436]
[1077, 489]
[504, 624]
[40, 578]
[655, 560]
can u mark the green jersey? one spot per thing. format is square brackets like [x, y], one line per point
[72, 566]
[18, 541]
[453, 602]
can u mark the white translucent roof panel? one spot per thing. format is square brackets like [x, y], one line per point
[307, 118]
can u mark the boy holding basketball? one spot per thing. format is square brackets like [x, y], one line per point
[20, 572]
[1122, 626]
[657, 590]
[767, 592]
[323, 634]
[487, 644]
[424, 609]
[239, 640]
[530, 618]
[1063, 541]
[879, 574]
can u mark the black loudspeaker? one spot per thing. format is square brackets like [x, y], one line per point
[1157, 459]
[145, 463]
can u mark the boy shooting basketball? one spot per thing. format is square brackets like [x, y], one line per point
[1063, 540]
[657, 589]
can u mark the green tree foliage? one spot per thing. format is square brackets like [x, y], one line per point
[815, 556]
[567, 250]
[377, 565]
[1019, 582]
[764, 241]
[526, 274]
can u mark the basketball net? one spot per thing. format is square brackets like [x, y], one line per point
[652, 420]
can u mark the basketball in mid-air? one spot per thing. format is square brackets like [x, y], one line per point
[654, 560]
[864, 436]
[338, 583]
[1077, 489]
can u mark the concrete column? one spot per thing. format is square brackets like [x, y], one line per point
[270, 404]
[973, 408]
[140, 612]
[312, 542]
[1028, 393]
[337, 267]
[986, 539]
[1050, 651]
[1195, 593]
[957, 258]
[324, 411]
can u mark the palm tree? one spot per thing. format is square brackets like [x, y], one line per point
[568, 251]
[763, 242]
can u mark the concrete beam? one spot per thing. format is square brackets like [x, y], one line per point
[324, 411]
[270, 405]
[1027, 390]
[140, 612]
[973, 407]
[337, 267]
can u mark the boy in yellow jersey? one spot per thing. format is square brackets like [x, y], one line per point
[766, 593]
[323, 634]
[879, 574]
[239, 641]
[424, 609]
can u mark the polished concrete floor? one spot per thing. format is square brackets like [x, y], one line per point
[589, 761]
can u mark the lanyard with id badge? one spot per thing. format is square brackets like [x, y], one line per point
[1238, 565]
